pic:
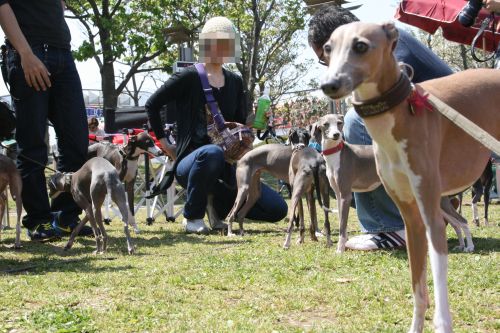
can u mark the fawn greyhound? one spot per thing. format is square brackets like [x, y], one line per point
[10, 176]
[125, 160]
[419, 156]
[351, 168]
[89, 186]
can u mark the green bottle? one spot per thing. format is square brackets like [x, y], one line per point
[263, 105]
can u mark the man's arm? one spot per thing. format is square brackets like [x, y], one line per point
[35, 72]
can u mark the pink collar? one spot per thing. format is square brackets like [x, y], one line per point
[333, 150]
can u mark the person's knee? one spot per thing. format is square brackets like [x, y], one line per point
[211, 158]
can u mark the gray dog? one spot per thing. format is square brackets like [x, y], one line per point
[10, 176]
[306, 173]
[89, 186]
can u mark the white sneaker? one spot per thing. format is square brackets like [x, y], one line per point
[196, 226]
[381, 240]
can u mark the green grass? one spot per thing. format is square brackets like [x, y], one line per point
[177, 283]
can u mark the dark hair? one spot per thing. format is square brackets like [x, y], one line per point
[93, 121]
[325, 21]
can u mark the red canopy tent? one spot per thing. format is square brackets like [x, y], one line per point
[429, 15]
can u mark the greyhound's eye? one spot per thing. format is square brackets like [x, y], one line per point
[340, 123]
[327, 48]
[360, 47]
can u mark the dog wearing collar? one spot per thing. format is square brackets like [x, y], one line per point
[89, 186]
[125, 160]
[351, 168]
[306, 173]
[420, 155]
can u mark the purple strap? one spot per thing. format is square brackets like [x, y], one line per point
[212, 103]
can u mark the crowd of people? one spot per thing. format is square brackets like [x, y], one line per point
[45, 86]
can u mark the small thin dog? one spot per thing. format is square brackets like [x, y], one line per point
[89, 186]
[352, 168]
[306, 173]
[9, 175]
[419, 153]
[125, 160]
[272, 158]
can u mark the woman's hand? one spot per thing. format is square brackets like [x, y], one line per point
[168, 149]
[492, 5]
[36, 74]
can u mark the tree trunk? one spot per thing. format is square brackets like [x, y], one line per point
[110, 98]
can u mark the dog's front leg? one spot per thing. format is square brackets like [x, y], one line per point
[75, 232]
[291, 213]
[129, 188]
[416, 244]
[344, 202]
[311, 204]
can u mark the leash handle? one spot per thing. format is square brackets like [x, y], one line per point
[483, 27]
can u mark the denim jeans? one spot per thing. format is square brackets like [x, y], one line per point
[376, 211]
[199, 173]
[63, 105]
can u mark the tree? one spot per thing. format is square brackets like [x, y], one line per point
[128, 30]
[269, 43]
[457, 56]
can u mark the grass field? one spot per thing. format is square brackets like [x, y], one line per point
[178, 283]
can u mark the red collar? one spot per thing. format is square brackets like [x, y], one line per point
[333, 150]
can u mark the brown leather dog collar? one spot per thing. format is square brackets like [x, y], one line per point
[388, 100]
[333, 150]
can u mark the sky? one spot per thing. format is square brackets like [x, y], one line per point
[370, 11]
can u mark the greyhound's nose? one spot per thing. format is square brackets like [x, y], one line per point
[336, 136]
[331, 86]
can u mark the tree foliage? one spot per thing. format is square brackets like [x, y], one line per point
[129, 31]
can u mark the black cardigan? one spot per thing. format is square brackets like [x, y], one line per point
[185, 89]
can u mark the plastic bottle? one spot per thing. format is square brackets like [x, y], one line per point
[263, 105]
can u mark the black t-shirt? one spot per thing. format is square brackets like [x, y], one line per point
[41, 21]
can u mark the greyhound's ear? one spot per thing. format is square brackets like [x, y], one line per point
[316, 131]
[392, 33]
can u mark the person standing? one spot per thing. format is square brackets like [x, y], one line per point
[44, 85]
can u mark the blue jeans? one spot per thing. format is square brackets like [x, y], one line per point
[376, 211]
[63, 105]
[199, 173]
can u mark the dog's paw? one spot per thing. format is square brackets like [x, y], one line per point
[469, 249]
[459, 248]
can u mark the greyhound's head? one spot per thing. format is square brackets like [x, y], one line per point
[298, 137]
[141, 143]
[328, 130]
[358, 56]
[58, 183]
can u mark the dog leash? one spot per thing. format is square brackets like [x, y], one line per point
[27, 158]
[468, 126]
